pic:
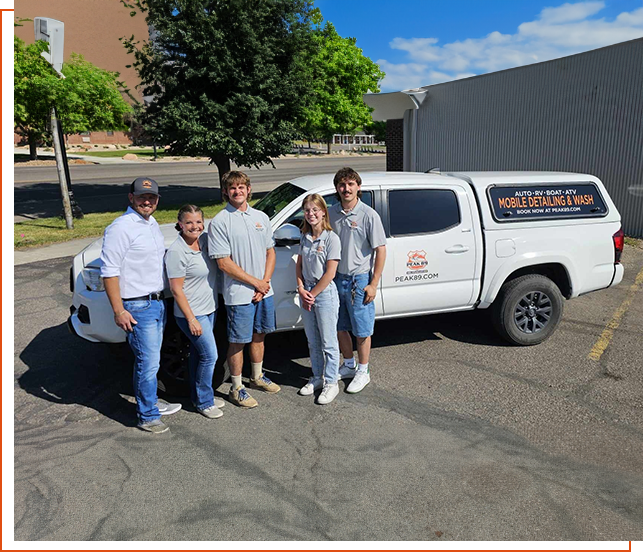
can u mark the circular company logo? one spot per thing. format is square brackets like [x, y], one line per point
[417, 260]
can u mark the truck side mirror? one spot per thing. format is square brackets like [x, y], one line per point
[287, 234]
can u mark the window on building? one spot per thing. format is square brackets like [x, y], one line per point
[110, 133]
[422, 211]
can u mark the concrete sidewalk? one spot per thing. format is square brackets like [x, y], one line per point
[55, 251]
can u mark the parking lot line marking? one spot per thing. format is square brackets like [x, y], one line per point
[608, 333]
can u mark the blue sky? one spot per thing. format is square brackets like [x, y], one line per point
[422, 42]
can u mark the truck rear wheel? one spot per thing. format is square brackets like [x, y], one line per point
[527, 309]
[173, 376]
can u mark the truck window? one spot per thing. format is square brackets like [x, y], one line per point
[510, 203]
[278, 198]
[422, 211]
[330, 199]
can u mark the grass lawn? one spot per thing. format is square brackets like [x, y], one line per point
[47, 231]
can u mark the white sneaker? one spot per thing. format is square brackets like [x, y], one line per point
[166, 408]
[211, 412]
[328, 394]
[218, 402]
[361, 380]
[347, 373]
[312, 386]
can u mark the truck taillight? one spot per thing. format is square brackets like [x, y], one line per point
[619, 239]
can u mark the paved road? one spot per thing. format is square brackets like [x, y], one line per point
[458, 437]
[103, 187]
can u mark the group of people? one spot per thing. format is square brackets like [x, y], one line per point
[341, 258]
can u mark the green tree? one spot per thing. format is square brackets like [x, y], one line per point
[378, 129]
[87, 99]
[226, 77]
[340, 75]
[36, 87]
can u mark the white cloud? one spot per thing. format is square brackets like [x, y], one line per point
[558, 31]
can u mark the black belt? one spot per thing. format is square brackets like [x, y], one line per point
[151, 297]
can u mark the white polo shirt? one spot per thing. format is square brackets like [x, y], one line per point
[133, 250]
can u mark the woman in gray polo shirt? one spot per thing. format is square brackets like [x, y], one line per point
[192, 276]
[319, 255]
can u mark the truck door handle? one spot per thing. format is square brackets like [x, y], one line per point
[457, 249]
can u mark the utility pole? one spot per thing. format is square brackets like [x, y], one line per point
[62, 177]
[53, 32]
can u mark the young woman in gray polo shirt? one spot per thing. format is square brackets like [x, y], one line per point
[192, 276]
[319, 255]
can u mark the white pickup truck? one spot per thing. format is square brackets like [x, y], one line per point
[515, 242]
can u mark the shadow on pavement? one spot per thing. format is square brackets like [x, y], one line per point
[472, 327]
[67, 370]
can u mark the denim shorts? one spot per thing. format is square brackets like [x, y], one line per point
[354, 315]
[244, 320]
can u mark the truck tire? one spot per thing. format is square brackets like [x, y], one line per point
[527, 309]
[173, 374]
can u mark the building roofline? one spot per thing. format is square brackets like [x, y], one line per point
[390, 103]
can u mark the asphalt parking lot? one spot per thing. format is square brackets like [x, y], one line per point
[458, 437]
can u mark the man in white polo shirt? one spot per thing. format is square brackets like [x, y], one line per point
[363, 240]
[132, 271]
[240, 239]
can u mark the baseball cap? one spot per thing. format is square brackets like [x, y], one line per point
[143, 185]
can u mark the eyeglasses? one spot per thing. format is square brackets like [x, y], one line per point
[312, 211]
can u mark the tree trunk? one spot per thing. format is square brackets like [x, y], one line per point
[33, 154]
[328, 146]
[223, 166]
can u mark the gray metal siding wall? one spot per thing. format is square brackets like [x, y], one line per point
[583, 113]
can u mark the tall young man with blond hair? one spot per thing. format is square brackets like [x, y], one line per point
[240, 239]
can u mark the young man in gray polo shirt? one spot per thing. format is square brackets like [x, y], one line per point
[363, 240]
[240, 239]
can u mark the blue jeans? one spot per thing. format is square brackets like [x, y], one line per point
[203, 357]
[145, 340]
[253, 318]
[320, 325]
[354, 315]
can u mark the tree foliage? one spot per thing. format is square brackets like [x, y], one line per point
[225, 76]
[340, 74]
[378, 129]
[87, 99]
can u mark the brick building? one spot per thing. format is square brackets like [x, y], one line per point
[93, 29]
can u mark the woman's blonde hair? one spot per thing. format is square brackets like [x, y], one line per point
[317, 200]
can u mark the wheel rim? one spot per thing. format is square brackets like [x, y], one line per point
[533, 312]
[174, 356]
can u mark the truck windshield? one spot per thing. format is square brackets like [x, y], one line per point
[276, 200]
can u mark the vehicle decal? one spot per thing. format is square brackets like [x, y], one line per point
[545, 201]
[416, 268]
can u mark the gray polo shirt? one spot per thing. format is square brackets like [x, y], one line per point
[360, 232]
[199, 271]
[244, 236]
[315, 253]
